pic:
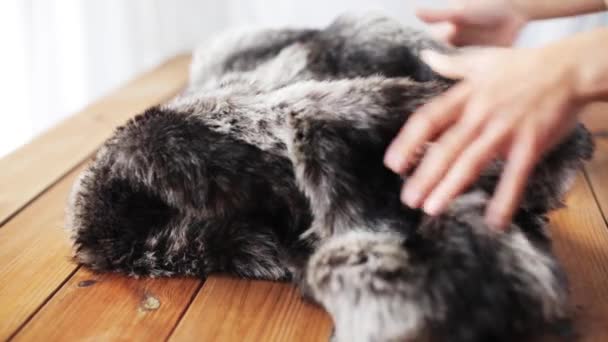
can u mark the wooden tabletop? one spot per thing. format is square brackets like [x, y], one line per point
[45, 296]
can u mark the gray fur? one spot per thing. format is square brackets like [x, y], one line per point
[269, 166]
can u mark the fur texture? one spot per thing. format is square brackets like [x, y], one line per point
[270, 166]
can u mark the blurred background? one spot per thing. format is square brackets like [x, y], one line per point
[59, 55]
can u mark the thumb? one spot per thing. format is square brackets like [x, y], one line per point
[430, 16]
[457, 66]
[443, 32]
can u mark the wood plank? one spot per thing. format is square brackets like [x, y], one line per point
[111, 307]
[581, 243]
[597, 172]
[34, 249]
[228, 309]
[28, 171]
[234, 310]
[34, 256]
[596, 119]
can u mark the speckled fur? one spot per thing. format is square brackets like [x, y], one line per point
[269, 166]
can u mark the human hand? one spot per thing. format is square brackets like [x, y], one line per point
[476, 22]
[511, 104]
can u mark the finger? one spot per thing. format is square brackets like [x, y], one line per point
[444, 32]
[467, 168]
[423, 125]
[450, 66]
[463, 64]
[468, 36]
[454, 35]
[430, 15]
[438, 161]
[520, 163]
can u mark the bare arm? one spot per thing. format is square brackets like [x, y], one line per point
[498, 22]
[544, 9]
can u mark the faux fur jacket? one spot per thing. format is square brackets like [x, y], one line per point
[269, 166]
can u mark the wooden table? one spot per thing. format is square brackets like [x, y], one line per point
[45, 296]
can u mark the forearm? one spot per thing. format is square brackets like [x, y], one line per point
[544, 9]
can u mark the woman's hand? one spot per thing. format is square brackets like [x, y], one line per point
[497, 22]
[512, 104]
[476, 22]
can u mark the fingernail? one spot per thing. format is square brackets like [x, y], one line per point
[433, 206]
[394, 160]
[411, 197]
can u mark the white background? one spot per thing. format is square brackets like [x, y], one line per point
[58, 55]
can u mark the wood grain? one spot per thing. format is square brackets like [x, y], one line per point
[30, 170]
[44, 296]
[34, 256]
[228, 309]
[596, 119]
[597, 172]
[111, 307]
[581, 243]
[34, 249]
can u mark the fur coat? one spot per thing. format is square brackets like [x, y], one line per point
[269, 166]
